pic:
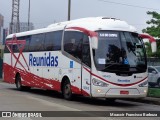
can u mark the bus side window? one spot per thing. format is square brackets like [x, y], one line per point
[53, 41]
[48, 45]
[73, 43]
[13, 47]
[16, 47]
[86, 58]
[57, 40]
[26, 47]
[6, 48]
[37, 42]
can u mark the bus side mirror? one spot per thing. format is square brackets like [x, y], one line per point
[151, 40]
[94, 42]
[154, 47]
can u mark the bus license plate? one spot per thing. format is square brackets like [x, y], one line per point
[124, 92]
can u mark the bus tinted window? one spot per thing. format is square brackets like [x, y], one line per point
[16, 48]
[86, 59]
[53, 41]
[6, 48]
[36, 43]
[26, 48]
[73, 43]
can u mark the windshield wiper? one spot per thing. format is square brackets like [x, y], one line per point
[131, 47]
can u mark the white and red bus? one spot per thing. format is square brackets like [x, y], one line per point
[95, 57]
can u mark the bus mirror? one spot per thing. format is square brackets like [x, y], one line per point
[154, 47]
[151, 40]
[94, 42]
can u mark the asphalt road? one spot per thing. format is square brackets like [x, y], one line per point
[43, 100]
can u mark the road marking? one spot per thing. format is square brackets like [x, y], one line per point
[62, 107]
[53, 104]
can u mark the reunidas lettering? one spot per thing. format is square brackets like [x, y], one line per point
[45, 60]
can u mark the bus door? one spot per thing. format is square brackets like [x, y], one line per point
[82, 66]
[86, 67]
[73, 52]
[76, 44]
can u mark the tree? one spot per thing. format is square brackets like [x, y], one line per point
[149, 51]
[154, 23]
[154, 30]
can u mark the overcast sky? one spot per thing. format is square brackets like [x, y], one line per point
[45, 12]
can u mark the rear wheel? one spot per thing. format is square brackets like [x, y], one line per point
[19, 84]
[66, 91]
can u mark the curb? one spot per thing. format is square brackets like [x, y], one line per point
[1, 80]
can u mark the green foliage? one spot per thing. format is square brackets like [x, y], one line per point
[154, 23]
[158, 49]
[154, 30]
[148, 49]
[154, 92]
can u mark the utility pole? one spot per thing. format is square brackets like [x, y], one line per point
[14, 25]
[69, 10]
[29, 16]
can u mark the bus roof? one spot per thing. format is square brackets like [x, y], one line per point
[98, 23]
[91, 23]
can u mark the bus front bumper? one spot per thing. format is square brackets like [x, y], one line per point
[121, 93]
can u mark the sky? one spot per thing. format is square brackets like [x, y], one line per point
[46, 12]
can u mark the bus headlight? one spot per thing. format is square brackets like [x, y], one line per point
[144, 84]
[99, 83]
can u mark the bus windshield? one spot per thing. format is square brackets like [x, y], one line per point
[120, 51]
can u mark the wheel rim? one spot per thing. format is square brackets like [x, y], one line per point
[67, 91]
[18, 82]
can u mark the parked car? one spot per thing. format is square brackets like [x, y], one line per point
[154, 76]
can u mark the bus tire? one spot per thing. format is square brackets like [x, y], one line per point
[19, 84]
[66, 90]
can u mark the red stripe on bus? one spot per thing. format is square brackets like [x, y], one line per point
[32, 80]
[88, 32]
[121, 85]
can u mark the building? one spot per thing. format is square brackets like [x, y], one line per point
[23, 26]
[1, 20]
[1, 28]
[1, 43]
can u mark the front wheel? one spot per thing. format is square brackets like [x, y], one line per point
[67, 92]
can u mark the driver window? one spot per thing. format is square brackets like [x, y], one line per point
[73, 43]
